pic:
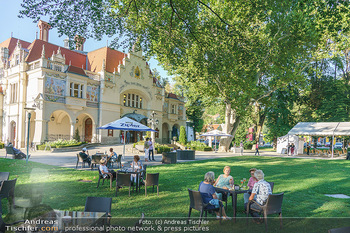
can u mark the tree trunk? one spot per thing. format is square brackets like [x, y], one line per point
[230, 127]
[260, 119]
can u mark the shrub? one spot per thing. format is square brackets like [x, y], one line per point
[76, 135]
[2, 145]
[59, 144]
[162, 148]
[182, 137]
[196, 145]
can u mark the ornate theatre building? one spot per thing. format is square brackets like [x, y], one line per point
[71, 91]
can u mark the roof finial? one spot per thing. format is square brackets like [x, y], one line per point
[70, 62]
[43, 52]
[59, 50]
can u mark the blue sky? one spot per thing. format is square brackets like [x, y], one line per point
[25, 29]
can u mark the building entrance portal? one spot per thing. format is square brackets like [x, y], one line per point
[88, 130]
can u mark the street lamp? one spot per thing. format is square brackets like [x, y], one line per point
[152, 121]
[29, 116]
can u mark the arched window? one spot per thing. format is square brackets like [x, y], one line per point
[132, 100]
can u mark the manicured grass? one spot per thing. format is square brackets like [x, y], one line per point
[303, 181]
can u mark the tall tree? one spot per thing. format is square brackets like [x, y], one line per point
[237, 52]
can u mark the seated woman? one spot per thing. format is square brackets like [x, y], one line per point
[207, 191]
[224, 181]
[251, 182]
[135, 165]
[105, 171]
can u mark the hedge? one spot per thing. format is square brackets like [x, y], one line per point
[2, 145]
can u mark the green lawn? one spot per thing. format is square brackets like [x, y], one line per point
[303, 181]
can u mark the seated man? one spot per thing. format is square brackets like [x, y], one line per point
[84, 154]
[260, 193]
[18, 154]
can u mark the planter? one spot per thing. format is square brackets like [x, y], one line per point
[185, 155]
[169, 157]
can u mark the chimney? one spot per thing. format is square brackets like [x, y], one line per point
[66, 43]
[79, 42]
[44, 30]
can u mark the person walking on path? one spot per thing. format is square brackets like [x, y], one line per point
[127, 137]
[150, 151]
[241, 147]
[257, 149]
[146, 148]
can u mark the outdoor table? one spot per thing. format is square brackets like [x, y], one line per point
[234, 198]
[66, 221]
[138, 173]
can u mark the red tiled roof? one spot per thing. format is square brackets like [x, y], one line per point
[11, 43]
[112, 58]
[72, 58]
[76, 70]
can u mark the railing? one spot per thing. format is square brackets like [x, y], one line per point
[55, 137]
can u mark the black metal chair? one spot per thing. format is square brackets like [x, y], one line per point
[123, 180]
[272, 184]
[3, 225]
[273, 206]
[98, 204]
[339, 230]
[95, 160]
[10, 151]
[7, 190]
[100, 176]
[4, 176]
[196, 202]
[80, 159]
[119, 161]
[152, 179]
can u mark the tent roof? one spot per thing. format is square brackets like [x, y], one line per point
[321, 129]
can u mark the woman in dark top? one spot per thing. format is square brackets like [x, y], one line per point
[207, 191]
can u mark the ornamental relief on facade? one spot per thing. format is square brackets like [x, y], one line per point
[136, 72]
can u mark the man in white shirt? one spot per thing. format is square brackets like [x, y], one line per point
[260, 193]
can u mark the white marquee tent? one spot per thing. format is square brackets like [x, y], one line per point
[321, 129]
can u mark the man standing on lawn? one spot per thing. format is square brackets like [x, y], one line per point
[257, 148]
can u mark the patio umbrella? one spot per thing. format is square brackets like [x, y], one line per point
[215, 133]
[126, 124]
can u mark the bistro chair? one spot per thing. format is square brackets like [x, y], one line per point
[98, 204]
[119, 161]
[7, 190]
[123, 180]
[152, 179]
[196, 202]
[272, 184]
[4, 176]
[273, 206]
[3, 225]
[95, 160]
[80, 159]
[100, 176]
[339, 230]
[10, 151]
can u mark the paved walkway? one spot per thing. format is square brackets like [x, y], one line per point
[69, 159]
